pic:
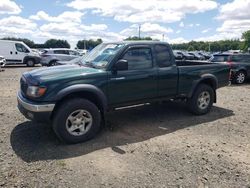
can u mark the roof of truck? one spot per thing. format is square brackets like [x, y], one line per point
[137, 42]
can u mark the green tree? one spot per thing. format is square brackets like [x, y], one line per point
[54, 43]
[88, 44]
[190, 48]
[246, 38]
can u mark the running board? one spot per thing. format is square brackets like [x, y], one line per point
[132, 106]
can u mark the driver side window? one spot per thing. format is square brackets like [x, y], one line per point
[21, 48]
[138, 58]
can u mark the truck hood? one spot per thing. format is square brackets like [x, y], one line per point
[61, 72]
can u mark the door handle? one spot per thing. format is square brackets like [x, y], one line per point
[119, 78]
[10, 52]
[16, 52]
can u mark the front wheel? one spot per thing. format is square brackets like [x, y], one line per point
[77, 120]
[202, 100]
[30, 63]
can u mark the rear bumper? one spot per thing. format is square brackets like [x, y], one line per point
[34, 111]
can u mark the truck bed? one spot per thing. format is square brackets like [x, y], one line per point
[191, 71]
[190, 63]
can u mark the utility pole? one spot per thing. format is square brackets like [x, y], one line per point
[139, 31]
[163, 37]
[209, 47]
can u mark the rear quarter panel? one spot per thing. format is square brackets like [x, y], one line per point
[189, 76]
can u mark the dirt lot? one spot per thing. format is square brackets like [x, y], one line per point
[152, 146]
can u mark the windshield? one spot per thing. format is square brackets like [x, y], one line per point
[101, 55]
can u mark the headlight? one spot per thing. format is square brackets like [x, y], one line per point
[36, 91]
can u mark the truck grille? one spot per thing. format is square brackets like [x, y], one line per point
[23, 85]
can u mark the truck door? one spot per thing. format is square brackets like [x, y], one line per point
[20, 51]
[136, 83]
[167, 71]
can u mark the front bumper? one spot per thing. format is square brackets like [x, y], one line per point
[34, 111]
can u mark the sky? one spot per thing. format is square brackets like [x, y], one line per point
[174, 21]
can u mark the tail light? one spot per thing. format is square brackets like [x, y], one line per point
[229, 63]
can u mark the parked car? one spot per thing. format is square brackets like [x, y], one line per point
[206, 55]
[51, 56]
[77, 98]
[239, 63]
[178, 55]
[17, 52]
[2, 61]
[76, 61]
[186, 56]
[82, 51]
[197, 56]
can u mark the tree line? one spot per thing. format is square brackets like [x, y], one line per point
[57, 43]
[215, 46]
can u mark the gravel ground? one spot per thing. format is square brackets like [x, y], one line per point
[151, 146]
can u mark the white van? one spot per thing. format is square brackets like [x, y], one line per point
[17, 52]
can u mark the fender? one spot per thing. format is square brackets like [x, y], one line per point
[204, 78]
[36, 59]
[81, 88]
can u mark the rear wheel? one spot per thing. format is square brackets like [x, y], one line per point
[77, 120]
[30, 63]
[202, 100]
[240, 77]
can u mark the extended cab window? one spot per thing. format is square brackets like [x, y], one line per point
[21, 48]
[138, 58]
[163, 56]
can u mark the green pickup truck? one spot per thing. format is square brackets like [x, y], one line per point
[76, 98]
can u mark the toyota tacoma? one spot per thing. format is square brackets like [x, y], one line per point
[76, 98]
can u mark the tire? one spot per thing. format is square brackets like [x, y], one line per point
[240, 77]
[66, 120]
[30, 63]
[52, 63]
[199, 104]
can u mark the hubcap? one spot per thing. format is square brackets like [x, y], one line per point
[203, 100]
[241, 78]
[79, 122]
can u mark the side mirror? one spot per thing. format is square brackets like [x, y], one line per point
[121, 65]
